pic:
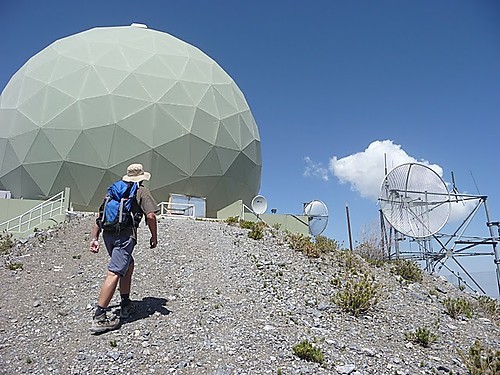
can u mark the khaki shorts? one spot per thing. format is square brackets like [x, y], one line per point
[120, 248]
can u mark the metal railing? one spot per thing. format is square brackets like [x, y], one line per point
[37, 215]
[177, 209]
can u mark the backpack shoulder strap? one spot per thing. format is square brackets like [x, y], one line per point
[133, 189]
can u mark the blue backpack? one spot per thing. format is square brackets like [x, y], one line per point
[115, 212]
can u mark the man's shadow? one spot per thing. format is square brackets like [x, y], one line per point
[145, 308]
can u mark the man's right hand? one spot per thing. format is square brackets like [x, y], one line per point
[94, 246]
[153, 242]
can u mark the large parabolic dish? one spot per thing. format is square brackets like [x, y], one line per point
[317, 216]
[414, 200]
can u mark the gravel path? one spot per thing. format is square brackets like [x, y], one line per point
[210, 300]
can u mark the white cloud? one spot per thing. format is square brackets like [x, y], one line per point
[365, 170]
[315, 169]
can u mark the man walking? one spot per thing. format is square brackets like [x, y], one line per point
[120, 246]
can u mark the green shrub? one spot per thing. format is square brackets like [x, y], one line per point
[256, 233]
[324, 244]
[421, 336]
[15, 266]
[6, 243]
[348, 260]
[256, 228]
[336, 281]
[302, 243]
[408, 270]
[456, 307]
[433, 292]
[481, 361]
[490, 307]
[313, 249]
[232, 220]
[309, 352]
[357, 294]
[245, 224]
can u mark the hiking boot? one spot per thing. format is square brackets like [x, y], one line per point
[103, 323]
[126, 310]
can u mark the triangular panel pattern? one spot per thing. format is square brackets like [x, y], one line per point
[111, 77]
[209, 166]
[65, 179]
[182, 114]
[102, 138]
[198, 151]
[96, 112]
[41, 150]
[166, 127]
[10, 160]
[22, 143]
[71, 118]
[71, 84]
[29, 187]
[44, 174]
[56, 102]
[29, 88]
[83, 152]
[65, 67]
[63, 139]
[205, 126]
[177, 94]
[170, 173]
[224, 139]
[125, 146]
[155, 86]
[15, 123]
[92, 85]
[209, 104]
[134, 124]
[175, 152]
[84, 176]
[226, 157]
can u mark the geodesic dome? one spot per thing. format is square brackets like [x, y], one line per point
[84, 108]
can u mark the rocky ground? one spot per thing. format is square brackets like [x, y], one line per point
[210, 300]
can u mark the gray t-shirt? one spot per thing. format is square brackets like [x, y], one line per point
[145, 204]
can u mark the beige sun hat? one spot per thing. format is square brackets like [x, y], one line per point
[135, 173]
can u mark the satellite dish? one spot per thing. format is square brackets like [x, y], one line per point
[317, 215]
[414, 200]
[259, 204]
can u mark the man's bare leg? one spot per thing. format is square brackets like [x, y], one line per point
[126, 280]
[108, 289]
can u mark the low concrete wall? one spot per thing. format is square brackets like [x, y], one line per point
[27, 215]
[10, 208]
[233, 210]
[292, 223]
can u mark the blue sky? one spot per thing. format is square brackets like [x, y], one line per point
[325, 80]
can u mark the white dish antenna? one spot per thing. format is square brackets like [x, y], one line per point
[317, 215]
[414, 200]
[259, 205]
